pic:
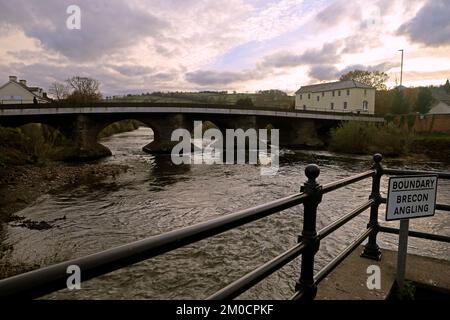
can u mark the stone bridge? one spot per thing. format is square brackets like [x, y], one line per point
[82, 124]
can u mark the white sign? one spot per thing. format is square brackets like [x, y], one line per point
[411, 197]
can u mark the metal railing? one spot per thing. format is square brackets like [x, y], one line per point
[14, 102]
[104, 104]
[40, 282]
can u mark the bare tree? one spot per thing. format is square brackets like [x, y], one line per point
[59, 91]
[376, 79]
[84, 89]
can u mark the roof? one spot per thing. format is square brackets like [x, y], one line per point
[440, 107]
[337, 85]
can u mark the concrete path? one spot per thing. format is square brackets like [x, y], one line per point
[348, 280]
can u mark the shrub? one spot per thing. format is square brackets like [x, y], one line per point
[245, 102]
[362, 138]
[119, 127]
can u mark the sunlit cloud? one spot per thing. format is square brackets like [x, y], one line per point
[139, 46]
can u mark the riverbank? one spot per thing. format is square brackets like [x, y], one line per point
[21, 185]
[390, 140]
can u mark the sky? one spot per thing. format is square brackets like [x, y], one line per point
[139, 46]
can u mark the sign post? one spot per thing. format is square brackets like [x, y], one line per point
[402, 252]
[409, 197]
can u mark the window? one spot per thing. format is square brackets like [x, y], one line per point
[365, 105]
[348, 92]
[300, 97]
[318, 98]
[332, 106]
[304, 107]
[333, 93]
[339, 93]
[345, 105]
[323, 94]
[365, 92]
[309, 96]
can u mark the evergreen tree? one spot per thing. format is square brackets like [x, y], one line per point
[447, 87]
[399, 103]
[424, 100]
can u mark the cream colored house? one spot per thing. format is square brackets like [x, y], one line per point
[339, 96]
[17, 92]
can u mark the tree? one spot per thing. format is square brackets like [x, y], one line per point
[273, 93]
[447, 87]
[376, 79]
[59, 91]
[423, 101]
[383, 101]
[83, 90]
[244, 102]
[399, 103]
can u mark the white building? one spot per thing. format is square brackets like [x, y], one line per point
[17, 92]
[339, 96]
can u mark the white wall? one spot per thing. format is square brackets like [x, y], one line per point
[354, 100]
[14, 93]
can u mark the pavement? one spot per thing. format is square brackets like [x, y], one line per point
[349, 280]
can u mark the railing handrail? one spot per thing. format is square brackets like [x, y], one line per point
[39, 282]
[403, 172]
[49, 278]
[102, 104]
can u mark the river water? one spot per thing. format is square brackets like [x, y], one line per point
[156, 196]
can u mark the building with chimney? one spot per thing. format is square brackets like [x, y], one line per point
[18, 92]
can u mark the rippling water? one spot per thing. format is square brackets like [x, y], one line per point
[155, 196]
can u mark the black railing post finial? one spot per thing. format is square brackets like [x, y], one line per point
[306, 284]
[371, 249]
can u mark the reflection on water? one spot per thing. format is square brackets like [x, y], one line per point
[155, 196]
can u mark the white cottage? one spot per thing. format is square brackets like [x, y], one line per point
[17, 92]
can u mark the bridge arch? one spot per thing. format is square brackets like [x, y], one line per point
[123, 126]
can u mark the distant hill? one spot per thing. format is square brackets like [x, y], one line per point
[269, 98]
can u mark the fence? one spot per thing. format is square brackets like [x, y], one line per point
[37, 283]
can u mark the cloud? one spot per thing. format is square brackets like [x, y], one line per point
[383, 67]
[327, 54]
[324, 72]
[133, 70]
[337, 12]
[431, 25]
[140, 45]
[106, 25]
[330, 72]
[357, 43]
[208, 77]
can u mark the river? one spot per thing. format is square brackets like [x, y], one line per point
[156, 196]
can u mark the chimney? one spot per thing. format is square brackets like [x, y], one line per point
[13, 78]
[23, 82]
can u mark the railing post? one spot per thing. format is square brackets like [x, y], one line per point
[371, 249]
[305, 284]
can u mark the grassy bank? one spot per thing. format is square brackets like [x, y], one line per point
[388, 139]
[434, 145]
[31, 143]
